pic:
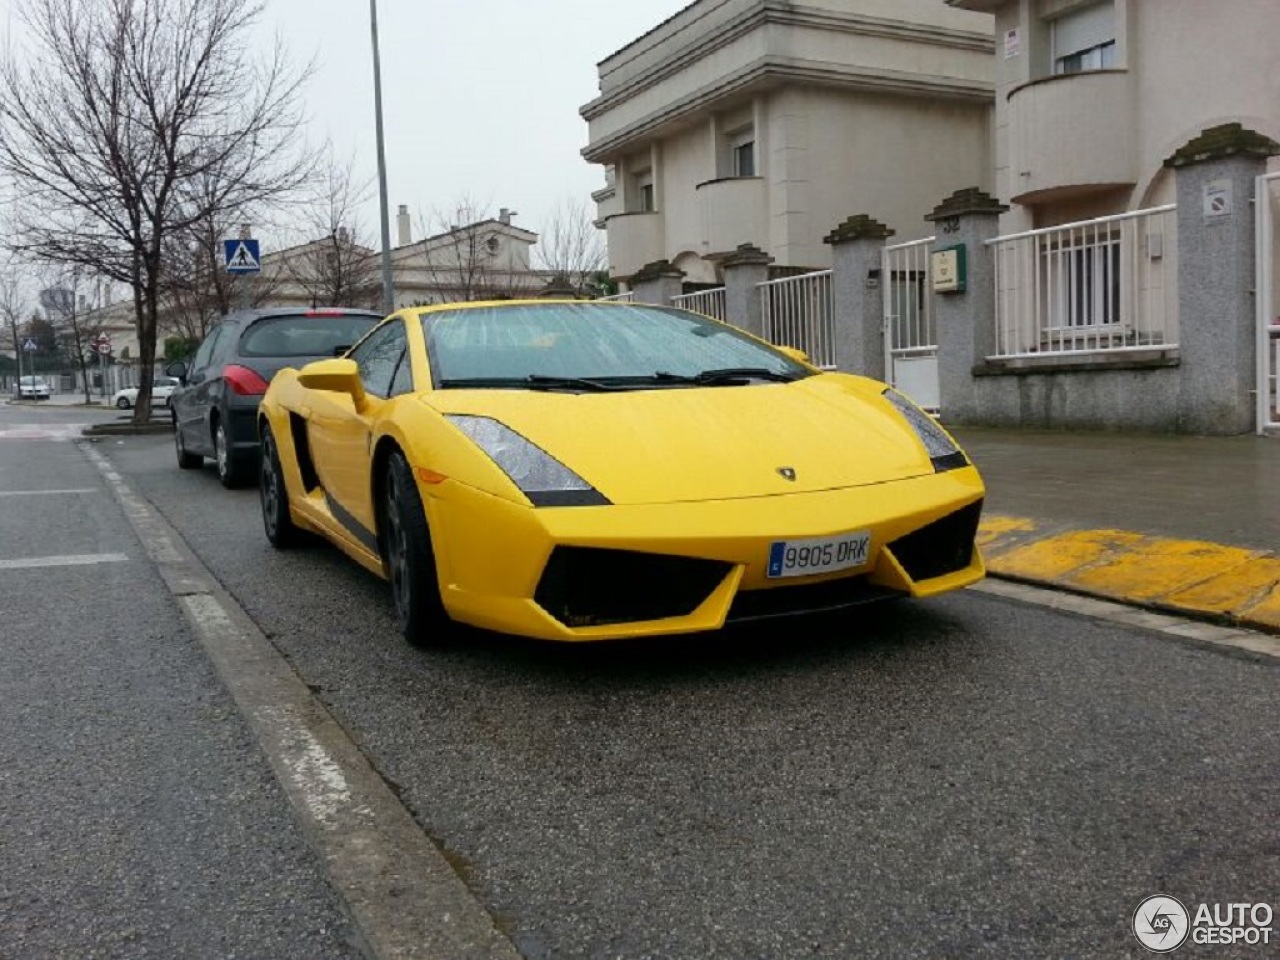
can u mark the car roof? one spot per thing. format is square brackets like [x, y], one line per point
[245, 317]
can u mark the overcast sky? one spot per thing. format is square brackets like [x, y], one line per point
[480, 97]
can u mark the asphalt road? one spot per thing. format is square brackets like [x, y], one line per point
[966, 777]
[137, 818]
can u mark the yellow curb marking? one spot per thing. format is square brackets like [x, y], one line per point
[1157, 567]
[992, 529]
[1192, 575]
[1233, 591]
[1054, 557]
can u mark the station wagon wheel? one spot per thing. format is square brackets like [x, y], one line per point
[123, 403]
[410, 560]
[187, 461]
[281, 530]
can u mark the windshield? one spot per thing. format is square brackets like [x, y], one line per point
[303, 335]
[594, 346]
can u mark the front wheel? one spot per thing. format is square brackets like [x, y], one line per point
[411, 563]
[281, 530]
[123, 403]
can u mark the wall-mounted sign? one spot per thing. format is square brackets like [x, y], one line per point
[947, 269]
[1217, 199]
[1012, 43]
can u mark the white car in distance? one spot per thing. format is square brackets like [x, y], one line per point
[161, 390]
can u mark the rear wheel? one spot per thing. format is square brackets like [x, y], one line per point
[233, 471]
[411, 564]
[123, 403]
[187, 461]
[281, 530]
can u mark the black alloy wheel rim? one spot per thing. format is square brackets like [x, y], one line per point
[270, 488]
[398, 548]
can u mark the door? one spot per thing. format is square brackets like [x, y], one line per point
[191, 404]
[910, 339]
[342, 437]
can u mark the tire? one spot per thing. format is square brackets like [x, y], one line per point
[123, 403]
[410, 560]
[186, 460]
[279, 525]
[233, 471]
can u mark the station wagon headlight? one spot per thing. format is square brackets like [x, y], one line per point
[942, 450]
[541, 477]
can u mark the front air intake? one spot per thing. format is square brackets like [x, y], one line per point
[941, 547]
[587, 586]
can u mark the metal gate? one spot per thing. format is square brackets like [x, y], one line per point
[910, 338]
[1265, 209]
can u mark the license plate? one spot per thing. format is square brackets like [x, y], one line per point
[801, 558]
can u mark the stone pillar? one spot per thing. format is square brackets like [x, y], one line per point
[965, 320]
[744, 270]
[1216, 277]
[657, 282]
[857, 250]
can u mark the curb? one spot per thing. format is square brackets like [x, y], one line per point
[126, 429]
[1190, 578]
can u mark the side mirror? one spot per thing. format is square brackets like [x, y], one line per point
[336, 376]
[177, 369]
[795, 353]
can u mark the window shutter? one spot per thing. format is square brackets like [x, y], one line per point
[1083, 29]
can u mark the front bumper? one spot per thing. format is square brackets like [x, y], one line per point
[592, 573]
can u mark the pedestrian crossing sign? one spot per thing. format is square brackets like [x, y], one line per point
[242, 256]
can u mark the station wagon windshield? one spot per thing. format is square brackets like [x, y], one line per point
[595, 347]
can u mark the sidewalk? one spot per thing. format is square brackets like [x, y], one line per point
[1187, 524]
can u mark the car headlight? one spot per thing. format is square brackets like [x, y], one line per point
[942, 450]
[541, 477]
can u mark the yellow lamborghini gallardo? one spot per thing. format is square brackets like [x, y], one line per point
[588, 470]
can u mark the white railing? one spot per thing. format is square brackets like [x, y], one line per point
[910, 336]
[1105, 285]
[800, 312]
[709, 302]
[1267, 250]
[627, 296]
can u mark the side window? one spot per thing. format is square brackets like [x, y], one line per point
[203, 355]
[403, 380]
[377, 357]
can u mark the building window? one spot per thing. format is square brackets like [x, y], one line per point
[1082, 282]
[743, 152]
[643, 198]
[1085, 39]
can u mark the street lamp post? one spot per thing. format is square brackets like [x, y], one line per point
[388, 292]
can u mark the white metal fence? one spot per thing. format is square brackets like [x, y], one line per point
[800, 312]
[709, 302]
[1101, 285]
[627, 296]
[910, 336]
[1265, 209]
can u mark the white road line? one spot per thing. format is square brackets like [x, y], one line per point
[45, 493]
[72, 560]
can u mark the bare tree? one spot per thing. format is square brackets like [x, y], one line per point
[61, 301]
[466, 255]
[335, 264]
[572, 247]
[129, 121]
[13, 305]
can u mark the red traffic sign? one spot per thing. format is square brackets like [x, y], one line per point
[102, 344]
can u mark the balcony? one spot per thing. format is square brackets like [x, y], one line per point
[634, 240]
[1071, 135]
[733, 212]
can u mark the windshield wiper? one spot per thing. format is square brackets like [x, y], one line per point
[532, 382]
[725, 375]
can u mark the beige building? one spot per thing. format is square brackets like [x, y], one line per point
[1092, 96]
[758, 121]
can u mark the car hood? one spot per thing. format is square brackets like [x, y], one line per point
[711, 443]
